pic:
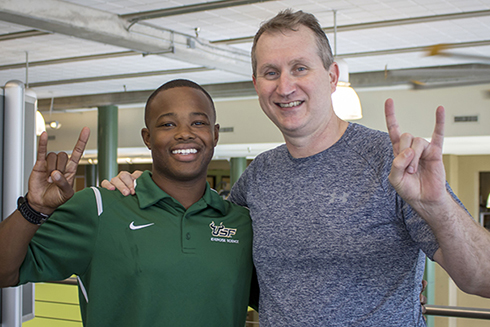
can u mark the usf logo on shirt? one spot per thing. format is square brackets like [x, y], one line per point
[221, 230]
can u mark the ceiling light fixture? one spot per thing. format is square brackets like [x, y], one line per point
[53, 124]
[345, 100]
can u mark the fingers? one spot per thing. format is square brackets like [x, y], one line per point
[124, 182]
[107, 185]
[418, 145]
[63, 184]
[424, 284]
[55, 161]
[438, 134]
[60, 161]
[392, 125]
[136, 174]
[78, 149]
[399, 166]
[42, 147]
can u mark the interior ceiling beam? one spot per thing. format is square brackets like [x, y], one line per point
[414, 49]
[119, 76]
[379, 24]
[22, 34]
[181, 10]
[95, 25]
[223, 90]
[440, 76]
[345, 55]
[71, 59]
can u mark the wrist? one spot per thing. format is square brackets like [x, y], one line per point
[37, 207]
[32, 213]
[438, 212]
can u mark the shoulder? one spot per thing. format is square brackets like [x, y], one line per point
[364, 137]
[232, 207]
[272, 158]
[227, 207]
[369, 143]
[92, 198]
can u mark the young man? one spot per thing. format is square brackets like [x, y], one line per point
[175, 254]
[343, 215]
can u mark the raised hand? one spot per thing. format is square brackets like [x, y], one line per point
[417, 172]
[51, 179]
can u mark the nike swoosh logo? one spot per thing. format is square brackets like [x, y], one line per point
[133, 227]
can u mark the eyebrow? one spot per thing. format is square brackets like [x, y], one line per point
[295, 61]
[197, 114]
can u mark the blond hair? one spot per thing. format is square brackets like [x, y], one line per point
[289, 20]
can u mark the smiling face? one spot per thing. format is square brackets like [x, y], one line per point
[293, 86]
[181, 134]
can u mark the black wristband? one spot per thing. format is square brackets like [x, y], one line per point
[30, 214]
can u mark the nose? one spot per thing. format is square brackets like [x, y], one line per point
[184, 132]
[285, 85]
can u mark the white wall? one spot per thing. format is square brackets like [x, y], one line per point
[415, 109]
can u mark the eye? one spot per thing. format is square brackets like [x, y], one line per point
[271, 75]
[300, 70]
[200, 123]
[166, 124]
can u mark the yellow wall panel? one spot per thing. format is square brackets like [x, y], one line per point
[43, 322]
[57, 293]
[56, 306]
[58, 310]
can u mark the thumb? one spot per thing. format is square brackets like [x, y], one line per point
[60, 181]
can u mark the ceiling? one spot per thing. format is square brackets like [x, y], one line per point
[83, 53]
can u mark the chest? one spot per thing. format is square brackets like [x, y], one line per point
[321, 216]
[157, 242]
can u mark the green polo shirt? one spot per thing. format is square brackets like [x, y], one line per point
[144, 260]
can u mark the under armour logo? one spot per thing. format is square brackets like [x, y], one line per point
[342, 198]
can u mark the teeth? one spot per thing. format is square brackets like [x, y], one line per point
[290, 104]
[184, 151]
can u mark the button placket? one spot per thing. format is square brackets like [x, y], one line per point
[187, 244]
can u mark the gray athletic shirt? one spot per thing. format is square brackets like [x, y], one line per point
[334, 245]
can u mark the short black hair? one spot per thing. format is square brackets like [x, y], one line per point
[172, 84]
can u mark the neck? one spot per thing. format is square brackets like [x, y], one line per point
[186, 192]
[318, 141]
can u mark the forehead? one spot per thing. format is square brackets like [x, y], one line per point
[181, 100]
[287, 42]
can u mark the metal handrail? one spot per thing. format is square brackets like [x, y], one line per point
[460, 312]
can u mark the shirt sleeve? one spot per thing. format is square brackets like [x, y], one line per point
[63, 246]
[238, 193]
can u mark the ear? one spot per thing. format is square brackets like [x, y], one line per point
[145, 134]
[216, 134]
[333, 73]
[255, 83]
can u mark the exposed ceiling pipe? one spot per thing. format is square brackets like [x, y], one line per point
[87, 23]
[182, 10]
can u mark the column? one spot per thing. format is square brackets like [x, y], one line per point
[237, 167]
[107, 142]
